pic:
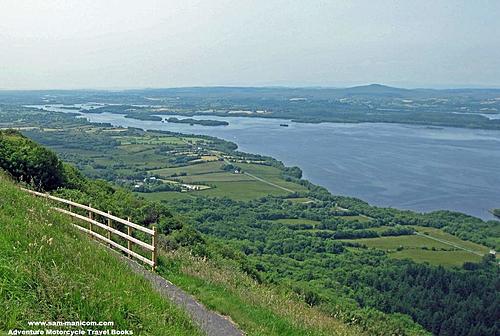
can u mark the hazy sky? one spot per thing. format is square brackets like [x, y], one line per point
[143, 43]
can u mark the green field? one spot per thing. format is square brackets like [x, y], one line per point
[270, 174]
[424, 249]
[359, 218]
[300, 200]
[229, 184]
[445, 258]
[245, 190]
[296, 221]
[216, 177]
[440, 234]
[201, 168]
[392, 243]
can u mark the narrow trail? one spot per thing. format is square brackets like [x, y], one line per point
[211, 323]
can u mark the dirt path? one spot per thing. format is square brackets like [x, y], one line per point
[210, 322]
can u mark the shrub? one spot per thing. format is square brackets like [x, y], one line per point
[27, 161]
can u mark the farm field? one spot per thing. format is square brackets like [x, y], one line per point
[424, 249]
[229, 184]
[216, 177]
[359, 218]
[129, 157]
[444, 258]
[270, 174]
[295, 221]
[440, 234]
[241, 190]
[195, 169]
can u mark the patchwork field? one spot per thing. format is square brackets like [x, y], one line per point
[243, 190]
[264, 180]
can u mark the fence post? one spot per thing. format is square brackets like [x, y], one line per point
[129, 232]
[154, 241]
[110, 225]
[90, 216]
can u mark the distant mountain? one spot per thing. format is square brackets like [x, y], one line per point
[374, 90]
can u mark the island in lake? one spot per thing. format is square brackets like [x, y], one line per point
[203, 122]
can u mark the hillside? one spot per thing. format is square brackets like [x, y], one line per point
[51, 272]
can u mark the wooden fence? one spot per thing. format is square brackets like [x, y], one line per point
[110, 219]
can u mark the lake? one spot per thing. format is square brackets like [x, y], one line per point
[409, 167]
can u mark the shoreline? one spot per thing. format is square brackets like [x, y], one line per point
[384, 201]
[269, 116]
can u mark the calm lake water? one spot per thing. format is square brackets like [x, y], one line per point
[408, 167]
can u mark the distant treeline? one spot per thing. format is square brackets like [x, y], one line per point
[202, 122]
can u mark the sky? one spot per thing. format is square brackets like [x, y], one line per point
[116, 44]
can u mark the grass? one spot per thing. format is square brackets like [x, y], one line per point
[440, 234]
[271, 174]
[392, 243]
[300, 200]
[359, 218]
[257, 309]
[445, 258]
[216, 177]
[201, 168]
[423, 249]
[49, 271]
[242, 190]
[296, 221]
[227, 184]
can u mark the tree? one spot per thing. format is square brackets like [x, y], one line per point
[27, 161]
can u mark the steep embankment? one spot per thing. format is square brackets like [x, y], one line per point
[51, 272]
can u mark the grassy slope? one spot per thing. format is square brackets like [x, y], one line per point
[49, 271]
[257, 309]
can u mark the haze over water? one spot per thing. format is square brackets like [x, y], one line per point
[409, 167]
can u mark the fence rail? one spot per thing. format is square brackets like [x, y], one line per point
[109, 228]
